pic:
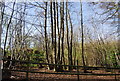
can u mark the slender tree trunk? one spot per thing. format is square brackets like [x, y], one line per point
[45, 28]
[51, 8]
[59, 68]
[1, 19]
[63, 38]
[74, 55]
[2, 7]
[62, 32]
[52, 30]
[71, 56]
[82, 30]
[69, 61]
[8, 25]
[118, 55]
[55, 54]
[59, 35]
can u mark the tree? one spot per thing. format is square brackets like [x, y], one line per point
[52, 29]
[55, 51]
[71, 41]
[59, 34]
[2, 7]
[111, 14]
[69, 62]
[8, 25]
[110, 9]
[62, 31]
[82, 38]
[1, 23]
[45, 28]
[118, 30]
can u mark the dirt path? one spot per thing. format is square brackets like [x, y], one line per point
[20, 76]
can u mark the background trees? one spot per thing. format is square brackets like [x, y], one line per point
[57, 32]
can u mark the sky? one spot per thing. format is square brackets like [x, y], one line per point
[88, 16]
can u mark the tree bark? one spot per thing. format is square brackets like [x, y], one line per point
[2, 7]
[8, 25]
[59, 36]
[82, 44]
[62, 32]
[52, 31]
[71, 56]
[46, 39]
[55, 62]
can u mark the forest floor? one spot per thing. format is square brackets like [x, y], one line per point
[20, 76]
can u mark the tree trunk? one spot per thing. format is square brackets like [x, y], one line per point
[52, 30]
[71, 61]
[59, 35]
[55, 62]
[8, 25]
[75, 53]
[45, 28]
[68, 36]
[2, 7]
[62, 32]
[82, 30]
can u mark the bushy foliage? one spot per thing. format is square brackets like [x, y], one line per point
[37, 56]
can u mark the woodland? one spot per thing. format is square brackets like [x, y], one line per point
[63, 33]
